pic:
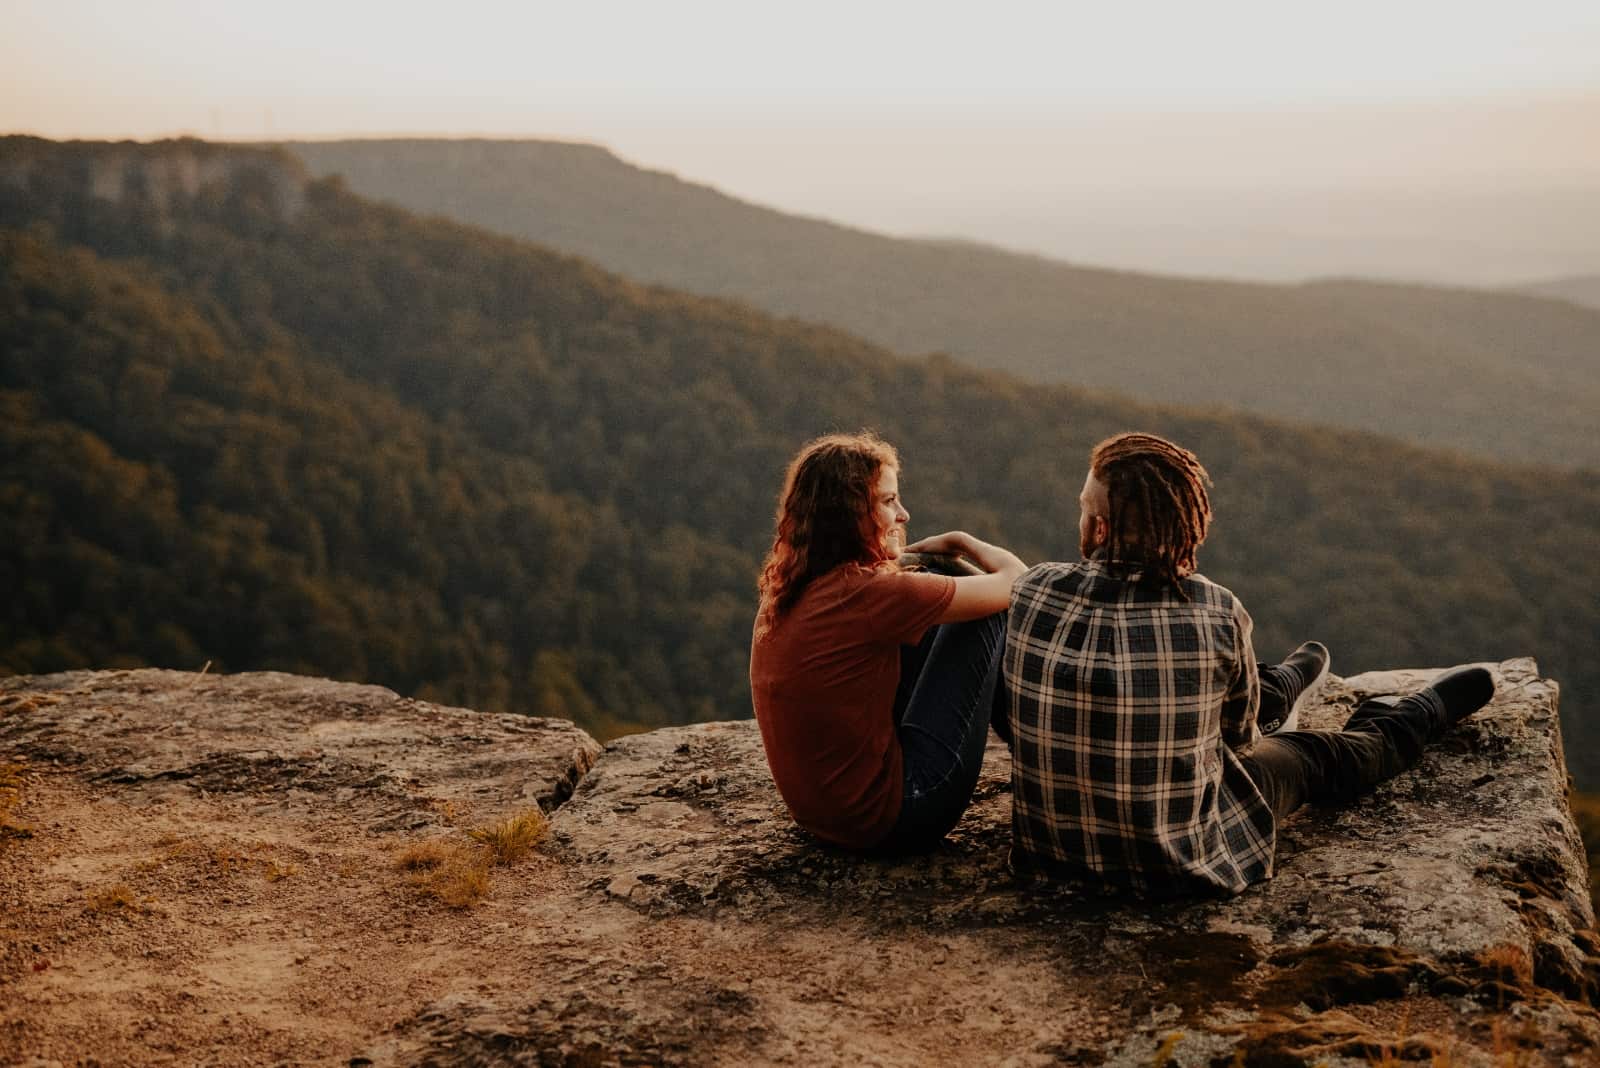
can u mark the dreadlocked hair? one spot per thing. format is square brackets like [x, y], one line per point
[1160, 510]
[824, 518]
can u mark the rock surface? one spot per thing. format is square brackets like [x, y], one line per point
[674, 915]
[293, 741]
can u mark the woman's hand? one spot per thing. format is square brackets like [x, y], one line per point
[958, 542]
[977, 595]
[991, 558]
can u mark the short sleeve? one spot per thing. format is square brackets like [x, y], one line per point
[899, 606]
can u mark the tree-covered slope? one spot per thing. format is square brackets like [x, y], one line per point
[1522, 390]
[276, 425]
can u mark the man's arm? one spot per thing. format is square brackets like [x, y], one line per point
[1239, 708]
[976, 595]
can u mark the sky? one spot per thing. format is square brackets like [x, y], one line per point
[1243, 138]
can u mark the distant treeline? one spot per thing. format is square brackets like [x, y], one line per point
[1504, 375]
[343, 440]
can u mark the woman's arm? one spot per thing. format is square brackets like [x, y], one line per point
[977, 595]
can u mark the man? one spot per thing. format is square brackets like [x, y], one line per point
[1136, 753]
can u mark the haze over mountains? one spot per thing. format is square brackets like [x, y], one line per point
[1580, 289]
[266, 422]
[1500, 374]
[1442, 230]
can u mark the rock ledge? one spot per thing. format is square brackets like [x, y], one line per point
[676, 916]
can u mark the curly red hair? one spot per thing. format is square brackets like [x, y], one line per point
[824, 518]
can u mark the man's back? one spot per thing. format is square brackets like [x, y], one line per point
[1126, 704]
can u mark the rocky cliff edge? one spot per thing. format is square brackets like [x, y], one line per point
[235, 870]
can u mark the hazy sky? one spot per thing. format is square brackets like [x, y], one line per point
[913, 117]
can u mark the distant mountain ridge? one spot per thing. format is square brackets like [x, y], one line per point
[1400, 360]
[1580, 289]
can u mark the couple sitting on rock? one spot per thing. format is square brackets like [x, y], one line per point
[1149, 749]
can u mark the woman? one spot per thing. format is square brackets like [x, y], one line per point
[873, 745]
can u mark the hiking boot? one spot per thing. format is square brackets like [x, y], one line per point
[1285, 686]
[1461, 692]
[1450, 698]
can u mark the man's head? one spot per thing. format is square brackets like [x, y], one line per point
[1145, 501]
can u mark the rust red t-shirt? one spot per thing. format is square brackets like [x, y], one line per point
[823, 682]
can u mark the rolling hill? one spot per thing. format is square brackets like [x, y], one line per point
[259, 420]
[1582, 289]
[1505, 375]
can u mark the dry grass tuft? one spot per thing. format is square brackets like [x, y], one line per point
[1163, 1054]
[513, 838]
[457, 873]
[1408, 1049]
[225, 859]
[449, 811]
[1506, 973]
[1336, 972]
[275, 871]
[425, 856]
[1516, 1045]
[1276, 1039]
[1508, 963]
[116, 899]
[11, 780]
[26, 702]
[460, 886]
[10, 785]
[452, 873]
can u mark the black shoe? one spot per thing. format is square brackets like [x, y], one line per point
[1461, 692]
[1285, 686]
[1450, 698]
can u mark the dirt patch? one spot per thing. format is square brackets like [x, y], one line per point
[202, 930]
[667, 1021]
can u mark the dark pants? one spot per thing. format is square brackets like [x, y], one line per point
[1382, 738]
[1275, 703]
[948, 690]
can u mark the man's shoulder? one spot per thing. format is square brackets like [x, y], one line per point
[1203, 590]
[1049, 576]
[1094, 580]
[1051, 569]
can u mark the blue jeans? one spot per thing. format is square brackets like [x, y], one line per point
[947, 698]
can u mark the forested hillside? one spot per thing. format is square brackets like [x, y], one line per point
[278, 426]
[1503, 375]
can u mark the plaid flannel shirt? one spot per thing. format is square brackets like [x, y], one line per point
[1127, 706]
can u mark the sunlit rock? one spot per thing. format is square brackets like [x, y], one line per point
[674, 915]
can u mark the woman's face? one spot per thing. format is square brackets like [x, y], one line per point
[888, 514]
